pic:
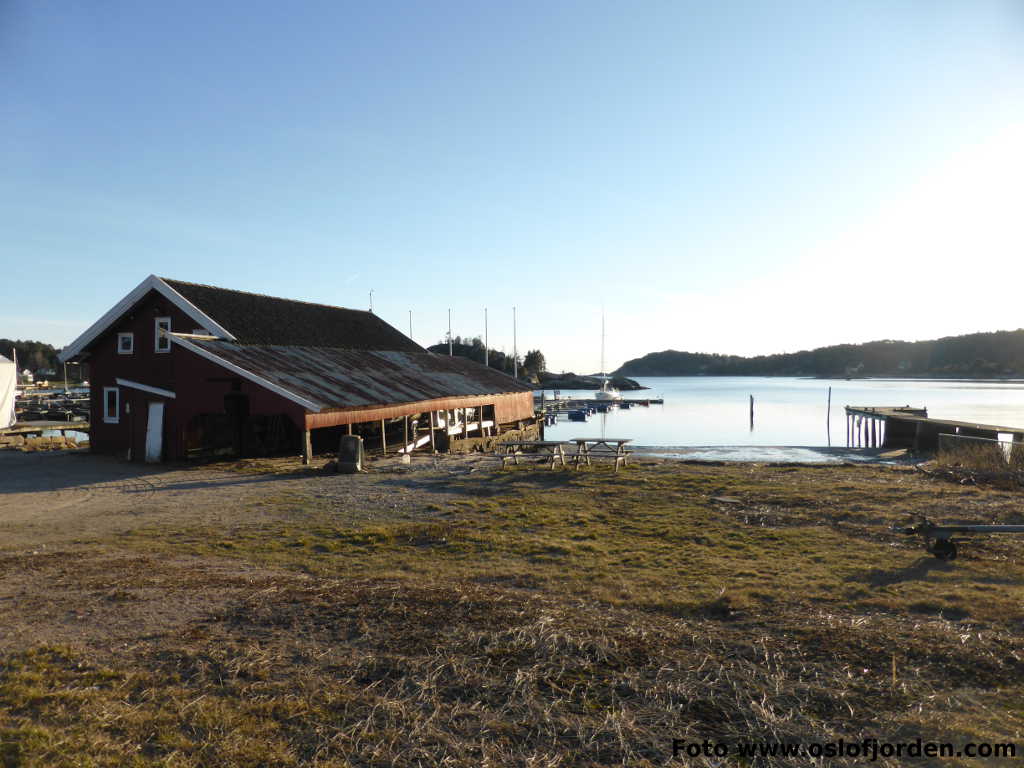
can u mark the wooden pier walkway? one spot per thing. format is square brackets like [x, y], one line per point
[38, 427]
[906, 427]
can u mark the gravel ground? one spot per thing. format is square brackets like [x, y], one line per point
[64, 580]
[63, 498]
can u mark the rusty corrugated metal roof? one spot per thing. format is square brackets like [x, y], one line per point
[354, 378]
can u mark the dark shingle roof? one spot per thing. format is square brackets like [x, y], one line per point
[256, 319]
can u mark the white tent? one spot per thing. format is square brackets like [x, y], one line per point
[8, 379]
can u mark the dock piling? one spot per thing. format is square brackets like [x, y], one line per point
[828, 418]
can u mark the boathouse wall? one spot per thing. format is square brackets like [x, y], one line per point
[207, 390]
[143, 365]
[199, 386]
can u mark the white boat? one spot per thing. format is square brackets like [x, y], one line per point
[606, 392]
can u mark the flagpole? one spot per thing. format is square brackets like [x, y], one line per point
[515, 347]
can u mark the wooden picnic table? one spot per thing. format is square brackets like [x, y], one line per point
[555, 449]
[588, 448]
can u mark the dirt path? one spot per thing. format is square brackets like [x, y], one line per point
[63, 579]
[55, 499]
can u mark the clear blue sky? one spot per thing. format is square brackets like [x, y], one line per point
[742, 177]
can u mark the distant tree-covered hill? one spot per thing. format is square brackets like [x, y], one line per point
[34, 355]
[977, 355]
[474, 349]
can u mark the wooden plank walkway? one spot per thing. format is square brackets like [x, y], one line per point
[906, 427]
[33, 427]
[920, 415]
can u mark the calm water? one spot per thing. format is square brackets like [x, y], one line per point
[715, 411]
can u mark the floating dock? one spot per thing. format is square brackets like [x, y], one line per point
[906, 427]
[575, 402]
[552, 409]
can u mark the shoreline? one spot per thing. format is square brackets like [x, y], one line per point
[807, 377]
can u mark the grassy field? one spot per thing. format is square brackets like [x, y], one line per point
[530, 617]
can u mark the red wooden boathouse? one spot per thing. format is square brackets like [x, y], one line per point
[182, 370]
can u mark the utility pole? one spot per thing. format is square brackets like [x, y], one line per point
[515, 347]
[486, 342]
[66, 377]
[371, 299]
[449, 331]
[410, 323]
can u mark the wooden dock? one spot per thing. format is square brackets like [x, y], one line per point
[574, 403]
[29, 428]
[906, 427]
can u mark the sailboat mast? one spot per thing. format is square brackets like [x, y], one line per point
[602, 343]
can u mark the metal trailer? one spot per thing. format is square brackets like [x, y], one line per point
[938, 539]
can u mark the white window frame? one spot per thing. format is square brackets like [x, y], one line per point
[107, 417]
[131, 343]
[157, 338]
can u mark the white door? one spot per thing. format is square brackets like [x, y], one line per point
[155, 432]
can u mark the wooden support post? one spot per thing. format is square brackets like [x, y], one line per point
[307, 447]
[350, 427]
[405, 433]
[874, 433]
[1017, 451]
[383, 437]
[433, 444]
[847, 430]
[828, 418]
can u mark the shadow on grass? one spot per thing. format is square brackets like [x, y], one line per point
[920, 570]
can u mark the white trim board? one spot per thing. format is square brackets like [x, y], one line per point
[151, 283]
[107, 418]
[309, 405]
[145, 388]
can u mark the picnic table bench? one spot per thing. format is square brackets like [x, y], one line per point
[614, 448]
[553, 449]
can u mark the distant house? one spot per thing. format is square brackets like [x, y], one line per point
[181, 370]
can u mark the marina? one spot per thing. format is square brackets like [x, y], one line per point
[42, 404]
[709, 416]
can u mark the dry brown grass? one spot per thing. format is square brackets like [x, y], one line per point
[547, 619]
[976, 461]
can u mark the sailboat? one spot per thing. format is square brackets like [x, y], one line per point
[606, 392]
